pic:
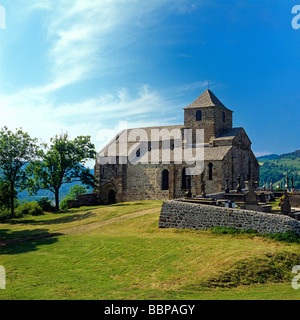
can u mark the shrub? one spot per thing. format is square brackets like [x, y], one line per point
[73, 192]
[45, 204]
[64, 204]
[31, 208]
[4, 194]
[4, 213]
[288, 236]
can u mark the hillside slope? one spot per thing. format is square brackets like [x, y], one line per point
[277, 167]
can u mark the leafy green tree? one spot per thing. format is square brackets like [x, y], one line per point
[61, 162]
[73, 192]
[17, 149]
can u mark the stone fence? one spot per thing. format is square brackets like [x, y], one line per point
[86, 199]
[184, 215]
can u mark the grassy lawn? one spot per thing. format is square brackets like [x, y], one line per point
[118, 252]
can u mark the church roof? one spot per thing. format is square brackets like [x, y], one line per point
[207, 99]
[228, 134]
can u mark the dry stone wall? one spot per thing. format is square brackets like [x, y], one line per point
[183, 215]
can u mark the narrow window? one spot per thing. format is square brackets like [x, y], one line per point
[165, 180]
[223, 116]
[199, 115]
[149, 146]
[138, 153]
[210, 171]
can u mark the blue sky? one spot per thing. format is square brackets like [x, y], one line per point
[83, 66]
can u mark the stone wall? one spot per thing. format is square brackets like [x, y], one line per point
[182, 215]
[86, 199]
[295, 201]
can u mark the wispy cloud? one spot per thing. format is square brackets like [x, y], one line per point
[83, 40]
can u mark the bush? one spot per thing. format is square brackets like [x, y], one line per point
[64, 204]
[4, 194]
[4, 213]
[288, 236]
[45, 204]
[73, 192]
[31, 208]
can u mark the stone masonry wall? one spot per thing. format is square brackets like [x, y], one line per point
[183, 215]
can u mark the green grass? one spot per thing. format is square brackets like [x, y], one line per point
[118, 252]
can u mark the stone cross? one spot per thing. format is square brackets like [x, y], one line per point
[285, 204]
[227, 185]
[188, 192]
[239, 188]
[203, 186]
[250, 197]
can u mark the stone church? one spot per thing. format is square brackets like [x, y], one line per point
[227, 155]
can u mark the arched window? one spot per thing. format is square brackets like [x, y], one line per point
[165, 180]
[210, 171]
[223, 116]
[199, 115]
[185, 180]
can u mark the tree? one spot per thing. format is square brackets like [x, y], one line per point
[61, 162]
[17, 150]
[73, 192]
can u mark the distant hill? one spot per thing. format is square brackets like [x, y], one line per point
[267, 157]
[277, 167]
[64, 190]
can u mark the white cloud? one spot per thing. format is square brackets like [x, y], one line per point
[82, 40]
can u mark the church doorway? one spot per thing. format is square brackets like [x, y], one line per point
[111, 196]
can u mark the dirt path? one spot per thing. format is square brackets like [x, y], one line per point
[83, 228]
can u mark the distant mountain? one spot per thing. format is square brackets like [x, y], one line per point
[64, 190]
[276, 168]
[291, 155]
[267, 157]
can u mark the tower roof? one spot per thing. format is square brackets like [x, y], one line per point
[207, 99]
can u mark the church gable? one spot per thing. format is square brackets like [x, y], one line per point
[241, 140]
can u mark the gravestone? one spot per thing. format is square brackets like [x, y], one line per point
[203, 189]
[271, 186]
[285, 204]
[251, 198]
[239, 187]
[227, 185]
